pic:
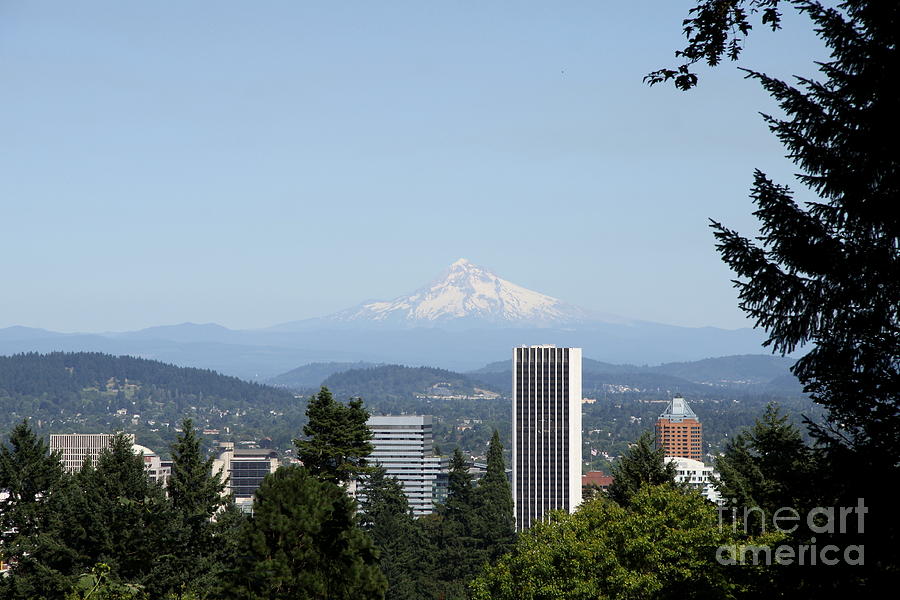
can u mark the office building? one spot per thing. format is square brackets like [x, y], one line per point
[679, 432]
[546, 425]
[404, 446]
[74, 448]
[245, 469]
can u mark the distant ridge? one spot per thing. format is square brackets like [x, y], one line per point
[756, 373]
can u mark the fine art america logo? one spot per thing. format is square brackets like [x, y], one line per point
[829, 521]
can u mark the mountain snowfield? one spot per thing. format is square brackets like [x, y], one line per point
[471, 293]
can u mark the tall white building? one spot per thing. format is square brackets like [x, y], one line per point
[546, 424]
[404, 446]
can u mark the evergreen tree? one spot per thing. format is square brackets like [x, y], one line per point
[29, 474]
[403, 550]
[496, 522]
[459, 551]
[121, 517]
[195, 491]
[31, 518]
[303, 541]
[825, 274]
[768, 466]
[337, 439]
[641, 465]
[195, 494]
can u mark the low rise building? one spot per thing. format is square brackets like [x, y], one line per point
[697, 475]
[245, 469]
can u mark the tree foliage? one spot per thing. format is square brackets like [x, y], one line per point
[29, 474]
[496, 525]
[404, 553]
[825, 274]
[337, 439]
[662, 546]
[303, 542]
[642, 465]
[769, 466]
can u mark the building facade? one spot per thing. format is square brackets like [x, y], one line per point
[696, 475]
[679, 432]
[404, 446]
[546, 425]
[74, 448]
[245, 470]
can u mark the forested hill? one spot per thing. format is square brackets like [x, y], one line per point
[61, 373]
[397, 381]
[65, 392]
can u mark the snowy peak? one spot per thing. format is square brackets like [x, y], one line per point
[468, 292]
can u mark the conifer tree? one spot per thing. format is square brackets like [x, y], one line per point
[459, 551]
[195, 494]
[303, 541]
[641, 465]
[768, 466]
[29, 474]
[825, 274]
[32, 516]
[123, 518]
[403, 550]
[496, 522]
[337, 439]
[195, 491]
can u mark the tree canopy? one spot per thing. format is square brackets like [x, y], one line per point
[642, 465]
[824, 275]
[303, 542]
[337, 439]
[662, 546]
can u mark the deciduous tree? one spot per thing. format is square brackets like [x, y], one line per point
[662, 546]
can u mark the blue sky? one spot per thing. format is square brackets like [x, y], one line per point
[255, 163]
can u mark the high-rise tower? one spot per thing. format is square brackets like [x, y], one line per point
[679, 432]
[404, 446]
[546, 425]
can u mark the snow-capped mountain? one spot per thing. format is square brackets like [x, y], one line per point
[469, 293]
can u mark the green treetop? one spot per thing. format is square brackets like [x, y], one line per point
[493, 499]
[662, 546]
[641, 465]
[303, 541]
[336, 441]
[29, 474]
[404, 554]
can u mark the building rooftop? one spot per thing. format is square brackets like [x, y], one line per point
[678, 409]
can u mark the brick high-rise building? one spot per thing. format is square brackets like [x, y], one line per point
[679, 432]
